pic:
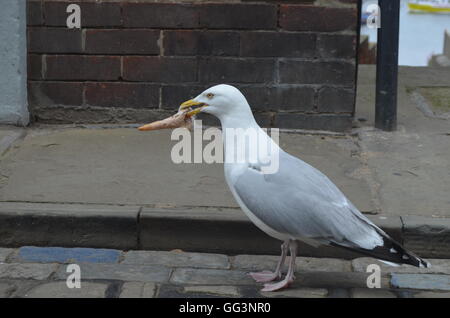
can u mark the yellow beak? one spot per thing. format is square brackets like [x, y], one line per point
[193, 104]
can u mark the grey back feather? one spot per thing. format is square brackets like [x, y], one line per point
[301, 201]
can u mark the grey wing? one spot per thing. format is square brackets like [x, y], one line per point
[301, 201]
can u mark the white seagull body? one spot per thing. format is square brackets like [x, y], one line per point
[296, 202]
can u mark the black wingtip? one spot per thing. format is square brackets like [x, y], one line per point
[391, 251]
[407, 257]
[424, 263]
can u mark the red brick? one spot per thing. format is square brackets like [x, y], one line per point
[34, 13]
[229, 70]
[336, 46]
[47, 94]
[309, 72]
[188, 42]
[93, 14]
[120, 41]
[267, 44]
[238, 16]
[260, 98]
[295, 98]
[208, 120]
[313, 122]
[313, 18]
[123, 95]
[298, 98]
[34, 66]
[173, 95]
[160, 15]
[160, 69]
[82, 67]
[54, 40]
[336, 100]
[264, 119]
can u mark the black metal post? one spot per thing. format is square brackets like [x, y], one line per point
[387, 65]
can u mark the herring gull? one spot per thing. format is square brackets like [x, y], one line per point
[296, 202]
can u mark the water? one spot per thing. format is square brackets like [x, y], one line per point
[421, 34]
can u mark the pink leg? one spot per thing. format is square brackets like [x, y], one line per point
[268, 276]
[290, 274]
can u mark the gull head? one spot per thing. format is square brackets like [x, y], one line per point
[223, 101]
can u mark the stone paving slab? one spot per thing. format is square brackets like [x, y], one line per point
[210, 277]
[229, 291]
[411, 164]
[438, 266]
[6, 289]
[298, 293]
[106, 166]
[138, 290]
[372, 293]
[4, 253]
[27, 271]
[176, 259]
[316, 278]
[339, 293]
[8, 136]
[34, 254]
[421, 281]
[177, 291]
[432, 295]
[262, 262]
[208, 291]
[14, 288]
[147, 273]
[336, 280]
[60, 290]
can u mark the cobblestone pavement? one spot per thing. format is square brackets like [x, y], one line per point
[107, 273]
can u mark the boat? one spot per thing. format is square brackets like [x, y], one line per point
[429, 6]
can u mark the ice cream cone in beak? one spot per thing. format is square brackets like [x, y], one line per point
[183, 118]
[180, 119]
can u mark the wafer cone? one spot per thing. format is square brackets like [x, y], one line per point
[180, 119]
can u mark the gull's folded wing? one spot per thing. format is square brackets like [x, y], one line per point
[301, 201]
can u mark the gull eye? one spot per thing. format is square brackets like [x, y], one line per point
[210, 95]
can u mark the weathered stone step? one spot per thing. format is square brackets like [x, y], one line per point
[214, 230]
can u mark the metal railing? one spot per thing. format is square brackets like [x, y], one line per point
[387, 65]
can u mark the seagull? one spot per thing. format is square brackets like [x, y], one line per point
[295, 202]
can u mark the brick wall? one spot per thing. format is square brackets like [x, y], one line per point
[136, 61]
